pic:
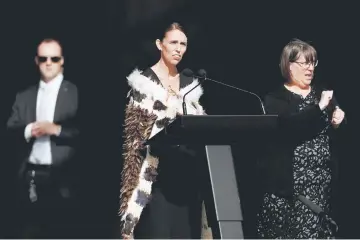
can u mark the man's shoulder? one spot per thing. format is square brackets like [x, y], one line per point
[27, 91]
[70, 85]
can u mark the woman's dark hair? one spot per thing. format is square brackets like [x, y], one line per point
[173, 26]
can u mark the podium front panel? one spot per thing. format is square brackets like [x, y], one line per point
[225, 191]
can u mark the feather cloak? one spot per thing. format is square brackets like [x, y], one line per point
[149, 110]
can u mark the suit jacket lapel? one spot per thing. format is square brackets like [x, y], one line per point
[61, 101]
[32, 104]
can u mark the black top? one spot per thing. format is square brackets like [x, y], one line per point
[295, 127]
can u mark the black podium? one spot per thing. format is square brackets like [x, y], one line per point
[217, 133]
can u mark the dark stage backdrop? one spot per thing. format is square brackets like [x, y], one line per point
[237, 42]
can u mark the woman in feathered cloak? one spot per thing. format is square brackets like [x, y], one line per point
[160, 183]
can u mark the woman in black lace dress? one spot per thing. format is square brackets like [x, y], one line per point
[301, 161]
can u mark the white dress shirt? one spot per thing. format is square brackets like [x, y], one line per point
[45, 109]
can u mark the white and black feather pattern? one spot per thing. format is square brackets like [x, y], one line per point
[152, 97]
[155, 92]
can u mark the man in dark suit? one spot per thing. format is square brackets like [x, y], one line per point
[43, 125]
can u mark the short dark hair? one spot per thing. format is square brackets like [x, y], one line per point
[292, 51]
[49, 40]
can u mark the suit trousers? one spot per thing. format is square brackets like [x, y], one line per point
[52, 214]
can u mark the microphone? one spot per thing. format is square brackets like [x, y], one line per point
[188, 73]
[202, 75]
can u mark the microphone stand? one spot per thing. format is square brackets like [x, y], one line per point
[204, 78]
[184, 103]
[261, 103]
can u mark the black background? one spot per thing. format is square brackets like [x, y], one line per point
[237, 42]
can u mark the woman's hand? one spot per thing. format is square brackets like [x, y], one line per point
[337, 117]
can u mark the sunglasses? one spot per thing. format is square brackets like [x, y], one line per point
[43, 59]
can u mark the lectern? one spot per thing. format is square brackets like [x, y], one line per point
[217, 133]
